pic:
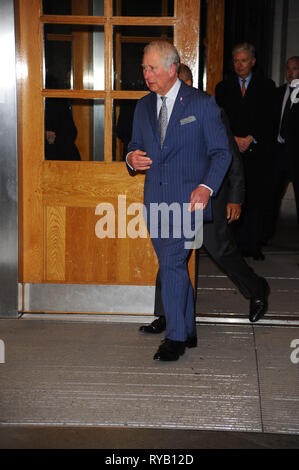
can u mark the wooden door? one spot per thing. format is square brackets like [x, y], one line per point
[64, 265]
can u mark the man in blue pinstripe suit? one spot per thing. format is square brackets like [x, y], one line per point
[185, 162]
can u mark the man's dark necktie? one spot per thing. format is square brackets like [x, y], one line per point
[284, 120]
[163, 120]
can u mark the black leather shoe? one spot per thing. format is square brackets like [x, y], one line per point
[259, 306]
[170, 350]
[191, 342]
[157, 326]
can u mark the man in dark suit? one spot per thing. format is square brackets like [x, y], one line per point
[179, 140]
[247, 98]
[226, 207]
[285, 164]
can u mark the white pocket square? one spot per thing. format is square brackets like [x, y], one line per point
[187, 120]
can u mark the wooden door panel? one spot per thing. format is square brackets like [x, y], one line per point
[88, 184]
[90, 259]
[74, 254]
[76, 190]
[55, 230]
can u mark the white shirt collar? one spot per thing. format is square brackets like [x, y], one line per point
[247, 79]
[171, 97]
[172, 93]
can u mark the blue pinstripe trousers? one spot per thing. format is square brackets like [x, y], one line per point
[177, 290]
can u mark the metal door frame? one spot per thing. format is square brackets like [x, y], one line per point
[8, 165]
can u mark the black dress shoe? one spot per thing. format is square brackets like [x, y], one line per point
[170, 350]
[191, 342]
[259, 305]
[157, 326]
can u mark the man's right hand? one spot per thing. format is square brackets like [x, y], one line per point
[139, 161]
[233, 211]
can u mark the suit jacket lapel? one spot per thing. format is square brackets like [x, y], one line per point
[177, 111]
[236, 89]
[252, 85]
[282, 91]
[178, 108]
[152, 111]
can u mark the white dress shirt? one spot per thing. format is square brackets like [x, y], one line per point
[171, 97]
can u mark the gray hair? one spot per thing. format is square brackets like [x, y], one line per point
[167, 51]
[244, 46]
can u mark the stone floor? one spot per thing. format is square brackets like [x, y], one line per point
[89, 382]
[94, 374]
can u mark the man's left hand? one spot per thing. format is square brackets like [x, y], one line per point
[244, 143]
[199, 198]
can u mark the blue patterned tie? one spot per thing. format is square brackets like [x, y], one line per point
[163, 120]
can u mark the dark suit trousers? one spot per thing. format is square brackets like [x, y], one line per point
[218, 244]
[248, 230]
